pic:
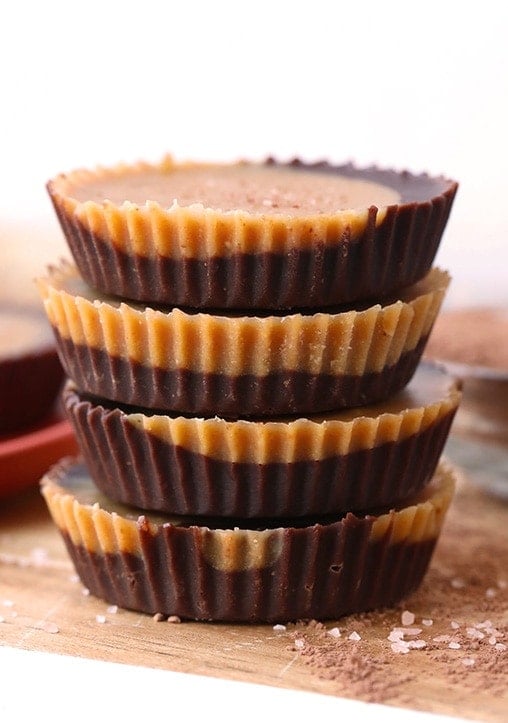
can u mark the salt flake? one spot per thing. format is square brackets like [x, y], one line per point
[334, 632]
[400, 647]
[407, 618]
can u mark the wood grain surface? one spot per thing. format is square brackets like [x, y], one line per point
[44, 607]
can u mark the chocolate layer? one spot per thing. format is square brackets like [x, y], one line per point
[324, 570]
[134, 466]
[323, 592]
[386, 250]
[286, 392]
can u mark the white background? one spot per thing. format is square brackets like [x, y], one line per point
[422, 86]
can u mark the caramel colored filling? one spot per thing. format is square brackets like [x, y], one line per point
[257, 189]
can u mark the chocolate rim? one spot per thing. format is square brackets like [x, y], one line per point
[210, 364]
[200, 257]
[292, 467]
[324, 570]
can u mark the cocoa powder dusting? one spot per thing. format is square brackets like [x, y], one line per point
[454, 628]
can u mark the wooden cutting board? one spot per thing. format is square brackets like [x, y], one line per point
[43, 607]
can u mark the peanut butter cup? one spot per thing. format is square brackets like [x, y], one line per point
[319, 568]
[251, 236]
[30, 371]
[353, 460]
[233, 365]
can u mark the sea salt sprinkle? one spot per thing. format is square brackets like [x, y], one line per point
[407, 618]
[334, 632]
[100, 619]
[355, 637]
[279, 628]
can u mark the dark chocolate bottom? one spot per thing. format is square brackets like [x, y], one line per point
[96, 372]
[132, 466]
[322, 581]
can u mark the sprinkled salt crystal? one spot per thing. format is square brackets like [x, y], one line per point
[158, 617]
[47, 626]
[112, 609]
[485, 624]
[490, 593]
[400, 647]
[409, 631]
[468, 662]
[442, 639]
[334, 632]
[416, 644]
[174, 619]
[100, 619]
[299, 644]
[74, 578]
[396, 635]
[8, 603]
[85, 591]
[474, 634]
[454, 646]
[457, 583]
[407, 618]
[492, 640]
[354, 636]
[279, 628]
[493, 631]
[500, 646]
[2, 619]
[455, 625]
[427, 622]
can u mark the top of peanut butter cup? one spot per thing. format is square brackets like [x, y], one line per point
[251, 235]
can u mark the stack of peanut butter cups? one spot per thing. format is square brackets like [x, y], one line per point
[260, 439]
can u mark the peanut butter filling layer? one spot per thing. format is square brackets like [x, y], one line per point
[102, 526]
[350, 342]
